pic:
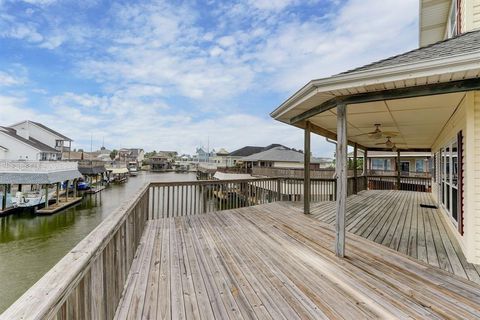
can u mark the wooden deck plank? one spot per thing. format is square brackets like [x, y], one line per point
[396, 219]
[273, 262]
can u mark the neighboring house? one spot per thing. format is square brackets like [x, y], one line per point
[221, 160]
[236, 156]
[30, 140]
[203, 156]
[281, 157]
[430, 96]
[162, 160]
[131, 155]
[43, 134]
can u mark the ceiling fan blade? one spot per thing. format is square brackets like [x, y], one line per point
[390, 133]
[363, 134]
[380, 143]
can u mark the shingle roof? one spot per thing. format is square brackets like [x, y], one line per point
[465, 43]
[31, 141]
[282, 154]
[51, 130]
[249, 150]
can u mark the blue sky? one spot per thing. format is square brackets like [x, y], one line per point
[169, 75]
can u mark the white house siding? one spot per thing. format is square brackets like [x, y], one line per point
[473, 122]
[17, 150]
[38, 133]
[475, 7]
[456, 124]
[281, 164]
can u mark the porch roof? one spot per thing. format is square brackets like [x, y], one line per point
[414, 93]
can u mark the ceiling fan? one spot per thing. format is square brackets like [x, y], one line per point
[389, 144]
[378, 133]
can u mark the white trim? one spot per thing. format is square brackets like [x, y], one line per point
[363, 78]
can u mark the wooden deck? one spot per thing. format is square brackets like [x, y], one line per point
[396, 220]
[272, 262]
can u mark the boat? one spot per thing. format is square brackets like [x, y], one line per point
[181, 168]
[29, 199]
[82, 186]
[133, 171]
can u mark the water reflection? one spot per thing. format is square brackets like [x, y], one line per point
[30, 245]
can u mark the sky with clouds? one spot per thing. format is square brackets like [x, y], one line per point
[174, 75]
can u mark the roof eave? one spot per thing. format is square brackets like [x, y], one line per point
[380, 75]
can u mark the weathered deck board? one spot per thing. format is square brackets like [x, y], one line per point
[395, 219]
[273, 262]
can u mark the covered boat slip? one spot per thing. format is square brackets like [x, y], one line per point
[273, 262]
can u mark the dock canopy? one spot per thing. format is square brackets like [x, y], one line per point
[118, 170]
[37, 172]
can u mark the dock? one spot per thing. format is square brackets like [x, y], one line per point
[61, 205]
[94, 190]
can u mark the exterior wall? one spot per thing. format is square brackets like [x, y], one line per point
[17, 150]
[38, 133]
[281, 164]
[465, 119]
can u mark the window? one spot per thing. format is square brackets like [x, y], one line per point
[449, 179]
[419, 165]
[454, 19]
[381, 164]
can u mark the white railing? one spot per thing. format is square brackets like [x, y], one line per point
[36, 166]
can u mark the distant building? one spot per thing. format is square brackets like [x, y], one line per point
[29, 140]
[162, 160]
[131, 155]
[203, 156]
[220, 159]
[282, 157]
[236, 156]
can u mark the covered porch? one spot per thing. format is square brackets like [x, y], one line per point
[425, 100]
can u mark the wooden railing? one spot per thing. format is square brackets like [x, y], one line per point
[88, 282]
[419, 184]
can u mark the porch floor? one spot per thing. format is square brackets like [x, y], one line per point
[396, 220]
[272, 262]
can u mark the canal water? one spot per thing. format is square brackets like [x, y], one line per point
[30, 245]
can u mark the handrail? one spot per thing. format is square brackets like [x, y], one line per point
[51, 294]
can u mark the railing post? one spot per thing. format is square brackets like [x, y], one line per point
[355, 182]
[398, 170]
[279, 189]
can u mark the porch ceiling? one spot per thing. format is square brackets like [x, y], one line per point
[418, 120]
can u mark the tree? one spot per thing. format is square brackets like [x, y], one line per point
[113, 154]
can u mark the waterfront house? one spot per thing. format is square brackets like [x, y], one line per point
[132, 155]
[426, 100]
[282, 157]
[46, 135]
[202, 155]
[162, 160]
[20, 145]
[236, 155]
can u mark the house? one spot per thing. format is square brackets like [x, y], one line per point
[424, 100]
[236, 156]
[131, 155]
[201, 155]
[162, 160]
[220, 158]
[44, 134]
[281, 157]
[29, 140]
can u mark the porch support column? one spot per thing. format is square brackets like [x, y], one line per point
[75, 188]
[341, 172]
[365, 169]
[66, 191]
[58, 194]
[306, 163]
[4, 197]
[398, 170]
[355, 181]
[46, 196]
